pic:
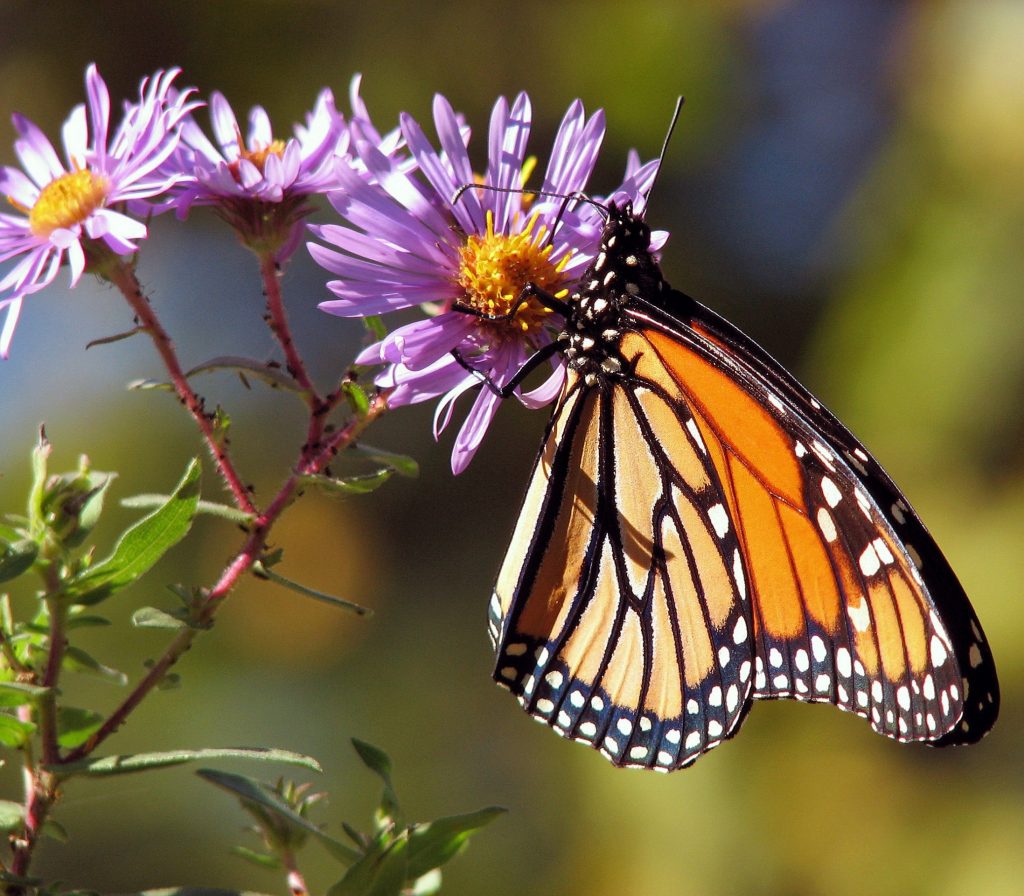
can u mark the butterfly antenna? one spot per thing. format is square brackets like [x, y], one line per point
[664, 146]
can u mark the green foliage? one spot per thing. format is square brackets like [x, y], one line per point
[143, 544]
[394, 859]
[131, 763]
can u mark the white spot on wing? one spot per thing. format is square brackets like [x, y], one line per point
[719, 519]
[830, 491]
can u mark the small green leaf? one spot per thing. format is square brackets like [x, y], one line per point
[12, 816]
[427, 885]
[14, 732]
[77, 660]
[40, 456]
[381, 872]
[210, 508]
[257, 793]
[257, 858]
[55, 831]
[433, 844]
[16, 557]
[130, 763]
[92, 506]
[151, 617]
[402, 464]
[379, 763]
[149, 386]
[350, 485]
[15, 693]
[117, 337]
[75, 726]
[376, 327]
[142, 544]
[356, 397]
[270, 373]
[263, 571]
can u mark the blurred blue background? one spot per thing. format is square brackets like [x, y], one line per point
[846, 184]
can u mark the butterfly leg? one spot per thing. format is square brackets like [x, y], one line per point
[531, 364]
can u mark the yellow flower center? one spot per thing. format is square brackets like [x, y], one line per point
[67, 201]
[258, 156]
[495, 268]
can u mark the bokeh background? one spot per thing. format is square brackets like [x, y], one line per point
[846, 184]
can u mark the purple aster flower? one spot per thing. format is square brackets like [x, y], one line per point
[408, 241]
[259, 183]
[70, 213]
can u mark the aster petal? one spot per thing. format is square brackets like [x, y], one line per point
[467, 210]
[35, 152]
[17, 186]
[510, 131]
[76, 261]
[376, 249]
[225, 126]
[118, 231]
[575, 153]
[261, 132]
[445, 407]
[421, 344]
[99, 112]
[12, 309]
[473, 430]
[75, 137]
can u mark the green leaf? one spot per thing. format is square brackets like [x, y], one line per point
[142, 544]
[117, 337]
[16, 558]
[433, 844]
[130, 763]
[362, 484]
[92, 507]
[356, 397]
[77, 660]
[149, 386]
[381, 872]
[379, 763]
[210, 508]
[427, 885]
[257, 793]
[151, 617]
[86, 621]
[40, 455]
[264, 572]
[55, 830]
[260, 859]
[15, 693]
[402, 464]
[376, 327]
[76, 726]
[269, 372]
[14, 732]
[12, 816]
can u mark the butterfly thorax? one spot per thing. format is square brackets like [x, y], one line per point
[623, 270]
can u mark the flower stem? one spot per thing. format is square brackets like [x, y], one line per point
[242, 562]
[277, 320]
[123, 276]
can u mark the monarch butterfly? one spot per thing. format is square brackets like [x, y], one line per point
[700, 532]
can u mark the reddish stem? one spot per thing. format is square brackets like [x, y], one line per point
[242, 562]
[278, 322]
[123, 276]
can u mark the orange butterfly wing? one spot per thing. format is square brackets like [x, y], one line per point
[700, 532]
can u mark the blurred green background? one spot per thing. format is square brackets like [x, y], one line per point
[846, 184]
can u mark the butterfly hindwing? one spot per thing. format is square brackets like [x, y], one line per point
[619, 622]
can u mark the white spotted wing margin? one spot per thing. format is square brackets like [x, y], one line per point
[905, 649]
[620, 614]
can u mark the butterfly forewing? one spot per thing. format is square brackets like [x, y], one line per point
[842, 611]
[634, 639]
